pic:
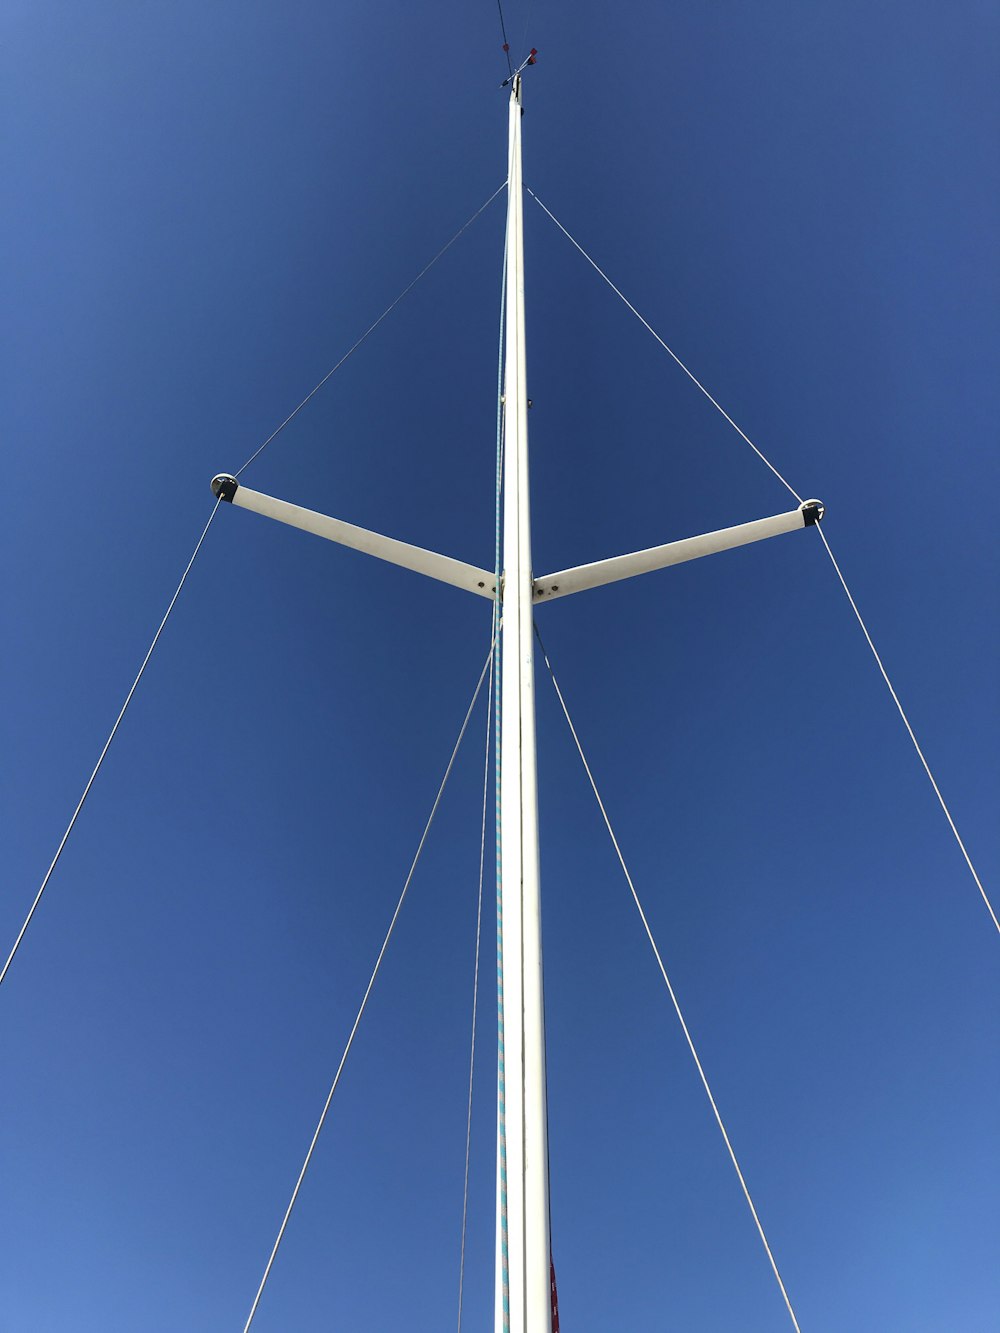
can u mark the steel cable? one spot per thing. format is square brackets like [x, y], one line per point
[909, 729]
[368, 991]
[843, 583]
[669, 350]
[671, 992]
[371, 329]
[107, 746]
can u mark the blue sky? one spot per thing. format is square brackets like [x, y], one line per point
[208, 205]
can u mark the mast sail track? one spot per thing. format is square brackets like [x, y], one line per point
[440, 567]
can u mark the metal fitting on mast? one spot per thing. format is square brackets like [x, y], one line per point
[225, 486]
[514, 80]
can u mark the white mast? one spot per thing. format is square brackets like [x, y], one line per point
[523, 1300]
[521, 1092]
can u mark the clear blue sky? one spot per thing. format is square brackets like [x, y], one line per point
[206, 204]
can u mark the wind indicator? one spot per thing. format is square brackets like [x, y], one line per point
[529, 60]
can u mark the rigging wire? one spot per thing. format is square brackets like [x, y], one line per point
[843, 582]
[506, 44]
[475, 977]
[669, 350]
[909, 729]
[670, 990]
[524, 34]
[107, 745]
[368, 991]
[371, 329]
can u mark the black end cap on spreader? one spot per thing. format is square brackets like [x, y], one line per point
[224, 486]
[812, 511]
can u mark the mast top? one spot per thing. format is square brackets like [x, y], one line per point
[513, 81]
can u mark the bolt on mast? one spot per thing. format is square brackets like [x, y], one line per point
[523, 1252]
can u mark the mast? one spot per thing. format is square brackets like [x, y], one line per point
[523, 1252]
[524, 1290]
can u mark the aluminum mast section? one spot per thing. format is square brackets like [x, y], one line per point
[523, 1291]
[522, 1087]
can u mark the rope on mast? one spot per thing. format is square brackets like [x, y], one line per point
[669, 350]
[371, 329]
[671, 992]
[368, 991]
[475, 976]
[909, 729]
[107, 745]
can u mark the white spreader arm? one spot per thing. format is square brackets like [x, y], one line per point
[440, 567]
[565, 581]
